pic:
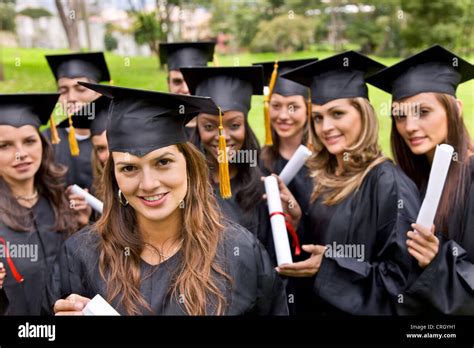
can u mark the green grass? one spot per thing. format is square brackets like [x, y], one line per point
[26, 70]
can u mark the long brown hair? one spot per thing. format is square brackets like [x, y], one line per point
[201, 232]
[363, 155]
[50, 181]
[97, 171]
[418, 168]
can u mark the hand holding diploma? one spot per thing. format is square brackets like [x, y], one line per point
[72, 305]
[97, 205]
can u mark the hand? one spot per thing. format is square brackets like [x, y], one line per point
[422, 244]
[306, 268]
[288, 202]
[72, 305]
[3, 274]
[79, 205]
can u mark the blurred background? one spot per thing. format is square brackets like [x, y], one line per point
[246, 31]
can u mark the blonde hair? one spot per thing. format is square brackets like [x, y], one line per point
[363, 155]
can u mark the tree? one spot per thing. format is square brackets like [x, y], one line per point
[7, 23]
[283, 33]
[147, 30]
[68, 15]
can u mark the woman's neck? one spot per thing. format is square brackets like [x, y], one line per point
[288, 146]
[161, 233]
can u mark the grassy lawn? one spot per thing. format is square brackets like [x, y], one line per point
[26, 70]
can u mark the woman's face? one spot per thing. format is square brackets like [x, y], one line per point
[422, 122]
[234, 131]
[288, 115]
[337, 124]
[101, 147]
[21, 152]
[155, 184]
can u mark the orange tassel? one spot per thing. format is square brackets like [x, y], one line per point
[266, 106]
[224, 177]
[73, 145]
[54, 131]
[215, 60]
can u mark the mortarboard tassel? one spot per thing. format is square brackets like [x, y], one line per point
[224, 178]
[215, 61]
[111, 82]
[309, 107]
[73, 145]
[54, 131]
[266, 106]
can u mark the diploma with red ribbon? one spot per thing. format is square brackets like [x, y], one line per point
[278, 223]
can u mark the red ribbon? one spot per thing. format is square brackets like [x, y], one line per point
[15, 273]
[295, 242]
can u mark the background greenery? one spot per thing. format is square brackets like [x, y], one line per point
[26, 70]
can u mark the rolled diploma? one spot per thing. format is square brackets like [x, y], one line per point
[295, 163]
[97, 205]
[99, 306]
[438, 173]
[279, 232]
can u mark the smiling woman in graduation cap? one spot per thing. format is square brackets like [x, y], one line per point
[34, 211]
[230, 145]
[426, 113]
[357, 263]
[161, 246]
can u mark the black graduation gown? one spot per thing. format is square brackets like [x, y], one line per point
[80, 167]
[376, 218]
[25, 298]
[256, 288]
[446, 285]
[256, 220]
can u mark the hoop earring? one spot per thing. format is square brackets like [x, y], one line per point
[121, 200]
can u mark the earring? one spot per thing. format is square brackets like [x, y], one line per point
[121, 200]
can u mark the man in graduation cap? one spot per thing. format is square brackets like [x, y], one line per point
[72, 144]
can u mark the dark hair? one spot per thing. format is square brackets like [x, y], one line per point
[248, 188]
[418, 168]
[50, 182]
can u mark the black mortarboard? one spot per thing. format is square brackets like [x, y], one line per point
[231, 88]
[433, 70]
[91, 65]
[22, 109]
[340, 76]
[91, 116]
[141, 121]
[184, 54]
[285, 87]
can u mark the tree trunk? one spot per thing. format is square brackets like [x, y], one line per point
[69, 22]
[85, 18]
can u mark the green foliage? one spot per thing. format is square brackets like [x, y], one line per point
[283, 33]
[7, 17]
[147, 30]
[35, 12]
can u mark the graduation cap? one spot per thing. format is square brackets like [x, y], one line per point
[340, 76]
[182, 54]
[90, 65]
[231, 88]
[141, 121]
[91, 116]
[22, 109]
[433, 70]
[284, 87]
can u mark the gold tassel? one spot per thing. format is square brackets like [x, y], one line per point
[266, 106]
[73, 145]
[309, 144]
[111, 82]
[215, 61]
[54, 131]
[224, 177]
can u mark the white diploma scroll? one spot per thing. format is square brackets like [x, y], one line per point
[295, 163]
[97, 205]
[99, 306]
[438, 173]
[280, 234]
